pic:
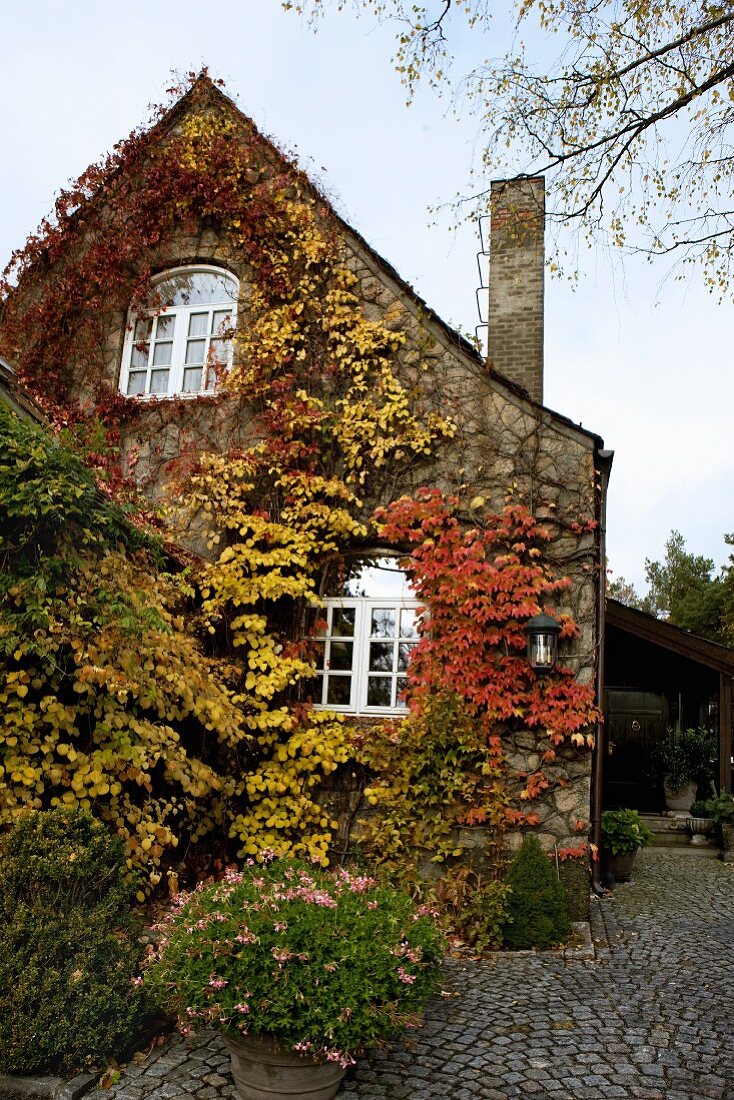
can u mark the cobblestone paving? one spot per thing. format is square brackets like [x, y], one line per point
[650, 1019]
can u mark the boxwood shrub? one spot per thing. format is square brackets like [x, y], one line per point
[536, 912]
[68, 945]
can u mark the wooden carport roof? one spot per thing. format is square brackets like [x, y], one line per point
[657, 631]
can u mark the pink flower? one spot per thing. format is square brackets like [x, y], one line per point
[406, 978]
[280, 926]
[217, 983]
[242, 1008]
[136, 981]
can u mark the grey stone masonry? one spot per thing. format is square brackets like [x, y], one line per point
[516, 282]
[649, 1019]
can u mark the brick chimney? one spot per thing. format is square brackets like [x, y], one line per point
[516, 271]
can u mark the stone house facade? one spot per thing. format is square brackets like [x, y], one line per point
[506, 444]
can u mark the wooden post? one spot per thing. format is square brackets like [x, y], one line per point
[725, 702]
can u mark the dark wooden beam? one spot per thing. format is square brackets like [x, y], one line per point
[725, 701]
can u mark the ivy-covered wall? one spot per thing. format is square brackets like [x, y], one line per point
[347, 395]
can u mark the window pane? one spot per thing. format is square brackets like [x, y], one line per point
[221, 321]
[139, 357]
[382, 579]
[383, 622]
[339, 690]
[189, 288]
[143, 325]
[405, 649]
[317, 654]
[381, 656]
[342, 623]
[211, 381]
[409, 623]
[379, 691]
[195, 351]
[162, 354]
[340, 655]
[219, 351]
[159, 381]
[192, 380]
[198, 324]
[401, 685]
[164, 328]
[136, 383]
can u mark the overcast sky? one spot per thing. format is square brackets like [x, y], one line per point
[644, 363]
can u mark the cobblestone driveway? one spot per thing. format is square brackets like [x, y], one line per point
[652, 1018]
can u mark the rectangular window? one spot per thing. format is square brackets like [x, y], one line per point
[362, 654]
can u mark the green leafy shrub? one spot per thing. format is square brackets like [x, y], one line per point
[536, 912]
[624, 831]
[68, 950]
[686, 755]
[720, 808]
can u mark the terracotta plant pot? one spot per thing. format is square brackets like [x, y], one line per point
[264, 1070]
[680, 798]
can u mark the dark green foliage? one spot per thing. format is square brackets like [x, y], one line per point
[624, 831]
[537, 914]
[68, 949]
[720, 808]
[685, 755]
[574, 876]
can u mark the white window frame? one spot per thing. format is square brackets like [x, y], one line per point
[180, 338]
[360, 671]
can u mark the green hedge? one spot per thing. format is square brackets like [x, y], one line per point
[68, 945]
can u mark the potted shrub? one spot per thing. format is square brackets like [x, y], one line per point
[685, 760]
[699, 823]
[299, 967]
[721, 811]
[623, 834]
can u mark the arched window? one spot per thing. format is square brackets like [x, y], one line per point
[178, 345]
[368, 634]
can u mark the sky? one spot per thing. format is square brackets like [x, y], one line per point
[641, 360]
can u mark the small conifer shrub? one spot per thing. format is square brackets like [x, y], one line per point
[68, 948]
[536, 911]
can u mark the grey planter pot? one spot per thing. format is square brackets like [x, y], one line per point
[263, 1070]
[619, 867]
[680, 798]
[699, 828]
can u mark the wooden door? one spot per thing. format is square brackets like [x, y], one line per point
[635, 722]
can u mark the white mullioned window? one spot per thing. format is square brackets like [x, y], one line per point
[178, 345]
[362, 651]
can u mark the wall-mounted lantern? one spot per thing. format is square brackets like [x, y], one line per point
[542, 633]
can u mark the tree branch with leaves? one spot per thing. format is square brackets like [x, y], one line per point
[626, 108]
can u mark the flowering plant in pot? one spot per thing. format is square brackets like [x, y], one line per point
[685, 760]
[623, 833]
[306, 965]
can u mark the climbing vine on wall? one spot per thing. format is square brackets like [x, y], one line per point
[237, 748]
[469, 683]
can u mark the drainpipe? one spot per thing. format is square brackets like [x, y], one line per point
[604, 459]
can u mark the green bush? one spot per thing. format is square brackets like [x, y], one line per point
[624, 831]
[575, 882]
[68, 948]
[536, 909]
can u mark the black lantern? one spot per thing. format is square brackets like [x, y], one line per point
[542, 633]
